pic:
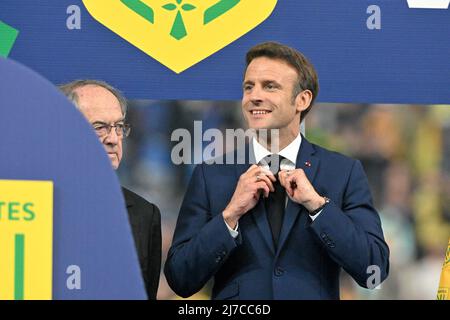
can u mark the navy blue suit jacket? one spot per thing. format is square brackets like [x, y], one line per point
[306, 264]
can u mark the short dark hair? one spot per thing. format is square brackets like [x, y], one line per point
[307, 76]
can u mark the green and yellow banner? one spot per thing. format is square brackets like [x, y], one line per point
[444, 284]
[8, 36]
[180, 33]
[26, 240]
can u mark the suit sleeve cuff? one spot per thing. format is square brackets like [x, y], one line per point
[314, 217]
[233, 232]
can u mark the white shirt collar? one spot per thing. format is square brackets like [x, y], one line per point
[290, 152]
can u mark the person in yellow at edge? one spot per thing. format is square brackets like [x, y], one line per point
[444, 283]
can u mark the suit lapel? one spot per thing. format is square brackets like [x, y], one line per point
[258, 213]
[129, 201]
[307, 161]
[135, 220]
[260, 216]
[132, 217]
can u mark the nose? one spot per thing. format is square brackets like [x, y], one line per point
[111, 138]
[255, 95]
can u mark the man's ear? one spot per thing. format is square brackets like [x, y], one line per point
[303, 100]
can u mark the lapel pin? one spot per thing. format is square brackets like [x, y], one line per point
[308, 164]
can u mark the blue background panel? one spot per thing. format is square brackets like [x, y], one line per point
[406, 61]
[45, 138]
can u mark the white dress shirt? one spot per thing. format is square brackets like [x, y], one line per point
[289, 153]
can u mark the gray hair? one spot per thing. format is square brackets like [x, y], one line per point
[69, 89]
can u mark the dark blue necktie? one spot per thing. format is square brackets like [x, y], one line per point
[275, 203]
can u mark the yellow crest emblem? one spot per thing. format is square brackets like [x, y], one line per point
[180, 33]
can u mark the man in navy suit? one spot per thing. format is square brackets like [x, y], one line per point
[283, 233]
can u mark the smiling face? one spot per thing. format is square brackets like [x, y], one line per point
[100, 106]
[268, 101]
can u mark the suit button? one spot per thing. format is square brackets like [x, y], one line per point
[279, 271]
[331, 244]
[218, 259]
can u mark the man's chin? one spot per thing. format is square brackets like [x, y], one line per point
[114, 161]
[261, 126]
[258, 125]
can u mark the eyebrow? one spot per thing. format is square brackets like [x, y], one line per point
[101, 122]
[264, 82]
[247, 82]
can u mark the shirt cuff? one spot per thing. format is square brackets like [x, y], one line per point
[233, 232]
[316, 215]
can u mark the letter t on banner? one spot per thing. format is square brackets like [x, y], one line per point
[26, 240]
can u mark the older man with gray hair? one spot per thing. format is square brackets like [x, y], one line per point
[105, 109]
